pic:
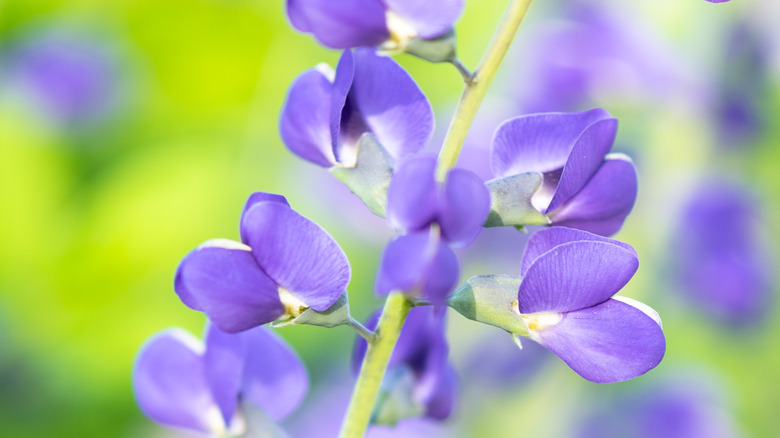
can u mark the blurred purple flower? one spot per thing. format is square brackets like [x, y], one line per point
[421, 263]
[326, 113]
[719, 260]
[284, 264]
[583, 185]
[566, 301]
[685, 406]
[72, 78]
[389, 24]
[591, 51]
[421, 351]
[740, 116]
[180, 383]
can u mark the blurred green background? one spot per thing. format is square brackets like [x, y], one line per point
[96, 210]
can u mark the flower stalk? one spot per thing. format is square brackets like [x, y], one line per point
[477, 87]
[374, 365]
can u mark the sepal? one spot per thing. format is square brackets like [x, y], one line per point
[334, 316]
[439, 49]
[370, 177]
[490, 299]
[510, 201]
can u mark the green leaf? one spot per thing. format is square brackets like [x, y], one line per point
[510, 201]
[370, 177]
[490, 299]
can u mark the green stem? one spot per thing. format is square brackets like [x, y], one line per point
[374, 364]
[476, 89]
[360, 329]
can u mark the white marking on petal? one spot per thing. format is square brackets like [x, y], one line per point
[293, 306]
[224, 244]
[647, 310]
[401, 32]
[213, 420]
[187, 339]
[326, 70]
[539, 321]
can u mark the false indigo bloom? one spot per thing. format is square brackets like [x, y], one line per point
[389, 24]
[718, 260]
[284, 264]
[590, 52]
[420, 353]
[566, 301]
[421, 262]
[682, 406]
[180, 383]
[583, 185]
[739, 115]
[70, 77]
[326, 113]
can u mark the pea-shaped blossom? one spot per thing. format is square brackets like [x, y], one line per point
[284, 264]
[420, 353]
[583, 186]
[566, 301]
[327, 112]
[389, 24]
[421, 262]
[179, 382]
[719, 261]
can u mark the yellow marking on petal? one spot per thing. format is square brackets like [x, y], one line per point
[214, 422]
[541, 320]
[293, 306]
[401, 32]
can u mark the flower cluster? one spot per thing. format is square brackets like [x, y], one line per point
[367, 121]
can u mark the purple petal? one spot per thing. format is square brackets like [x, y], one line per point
[340, 24]
[304, 121]
[391, 104]
[610, 342]
[224, 368]
[466, 206]
[575, 276]
[297, 254]
[603, 204]
[538, 142]
[342, 83]
[585, 159]
[170, 386]
[419, 265]
[222, 279]
[428, 18]
[546, 239]
[412, 198]
[274, 376]
[255, 198]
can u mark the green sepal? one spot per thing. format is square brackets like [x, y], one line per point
[395, 401]
[490, 299]
[370, 177]
[335, 315]
[439, 49]
[510, 201]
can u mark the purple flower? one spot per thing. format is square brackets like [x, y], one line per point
[583, 185]
[590, 52]
[739, 94]
[180, 383]
[72, 78]
[420, 353]
[682, 406]
[719, 260]
[326, 113]
[421, 263]
[566, 301]
[284, 264]
[389, 24]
